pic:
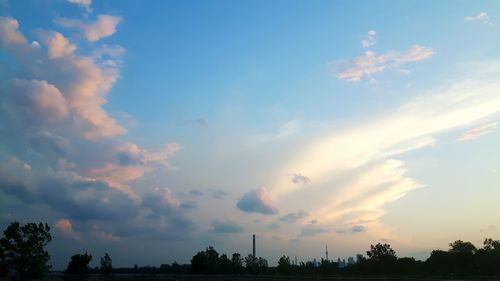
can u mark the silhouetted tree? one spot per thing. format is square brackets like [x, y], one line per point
[381, 252]
[488, 257]
[79, 264]
[251, 264]
[22, 249]
[463, 257]
[440, 262]
[205, 262]
[237, 263]
[224, 264]
[382, 259]
[106, 265]
[284, 265]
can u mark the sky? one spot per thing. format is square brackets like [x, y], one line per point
[152, 129]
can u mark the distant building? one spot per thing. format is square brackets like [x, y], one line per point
[350, 261]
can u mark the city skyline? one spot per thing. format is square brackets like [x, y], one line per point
[151, 130]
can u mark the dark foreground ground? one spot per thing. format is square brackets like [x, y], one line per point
[170, 277]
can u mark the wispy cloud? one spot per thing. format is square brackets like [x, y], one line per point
[299, 178]
[286, 129]
[369, 41]
[482, 17]
[293, 217]
[103, 26]
[371, 63]
[86, 4]
[357, 166]
[478, 131]
[225, 227]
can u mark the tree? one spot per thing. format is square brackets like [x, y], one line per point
[106, 264]
[381, 252]
[79, 264]
[237, 263]
[251, 264]
[463, 257]
[284, 265]
[488, 257]
[22, 249]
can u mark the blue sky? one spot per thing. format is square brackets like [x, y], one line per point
[131, 126]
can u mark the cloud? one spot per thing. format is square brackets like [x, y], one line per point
[161, 201]
[354, 229]
[293, 217]
[66, 227]
[188, 205]
[104, 26]
[195, 122]
[312, 230]
[218, 193]
[482, 17]
[83, 3]
[478, 131]
[9, 31]
[43, 98]
[286, 129]
[370, 40]
[62, 152]
[371, 63]
[257, 201]
[57, 44]
[356, 178]
[225, 227]
[298, 178]
[196, 192]
[358, 228]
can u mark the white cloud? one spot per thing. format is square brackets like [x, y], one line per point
[371, 63]
[478, 131]
[104, 26]
[355, 169]
[369, 41]
[482, 17]
[58, 45]
[84, 4]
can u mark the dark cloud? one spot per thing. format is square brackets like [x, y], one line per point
[299, 178]
[312, 230]
[225, 227]
[188, 205]
[218, 193]
[358, 228]
[196, 192]
[257, 201]
[293, 217]
[353, 229]
[79, 198]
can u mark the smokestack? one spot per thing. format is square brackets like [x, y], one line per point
[254, 245]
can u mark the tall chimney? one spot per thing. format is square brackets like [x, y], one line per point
[254, 245]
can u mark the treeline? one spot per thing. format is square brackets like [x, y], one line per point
[23, 256]
[461, 259]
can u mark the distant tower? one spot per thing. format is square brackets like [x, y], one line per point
[253, 246]
[326, 247]
[296, 260]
